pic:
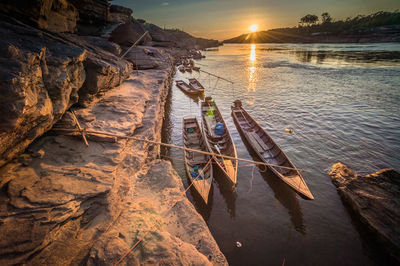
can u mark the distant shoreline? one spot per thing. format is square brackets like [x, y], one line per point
[380, 27]
[389, 38]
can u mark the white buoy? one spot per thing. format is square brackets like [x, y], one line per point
[238, 244]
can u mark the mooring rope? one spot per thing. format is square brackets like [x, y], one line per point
[95, 132]
[165, 213]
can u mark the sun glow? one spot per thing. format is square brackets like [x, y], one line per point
[253, 28]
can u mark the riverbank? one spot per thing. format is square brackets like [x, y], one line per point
[65, 203]
[60, 201]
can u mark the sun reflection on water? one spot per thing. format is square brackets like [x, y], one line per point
[253, 53]
[252, 69]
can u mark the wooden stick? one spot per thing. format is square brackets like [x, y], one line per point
[133, 45]
[80, 128]
[94, 132]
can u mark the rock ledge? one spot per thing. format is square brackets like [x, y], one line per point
[375, 199]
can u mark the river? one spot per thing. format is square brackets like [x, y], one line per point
[342, 102]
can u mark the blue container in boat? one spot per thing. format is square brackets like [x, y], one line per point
[219, 129]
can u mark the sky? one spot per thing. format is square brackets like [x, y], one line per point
[223, 19]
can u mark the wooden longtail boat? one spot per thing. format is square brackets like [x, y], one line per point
[195, 68]
[195, 84]
[219, 142]
[188, 69]
[186, 88]
[198, 166]
[268, 151]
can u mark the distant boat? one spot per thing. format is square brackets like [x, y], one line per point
[188, 69]
[197, 165]
[195, 84]
[195, 68]
[218, 139]
[191, 62]
[181, 68]
[268, 151]
[186, 88]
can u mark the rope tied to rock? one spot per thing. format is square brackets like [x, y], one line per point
[95, 132]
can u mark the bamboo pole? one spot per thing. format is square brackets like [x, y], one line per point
[95, 132]
[133, 45]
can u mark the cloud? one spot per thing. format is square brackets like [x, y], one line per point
[165, 4]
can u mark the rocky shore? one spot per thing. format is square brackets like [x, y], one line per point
[374, 199]
[61, 202]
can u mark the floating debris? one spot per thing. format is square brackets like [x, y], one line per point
[288, 130]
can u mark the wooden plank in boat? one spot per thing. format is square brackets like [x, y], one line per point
[191, 125]
[210, 123]
[259, 140]
[254, 142]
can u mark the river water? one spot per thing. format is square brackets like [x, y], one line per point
[342, 102]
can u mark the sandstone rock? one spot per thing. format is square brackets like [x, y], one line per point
[43, 74]
[39, 80]
[92, 15]
[54, 15]
[104, 44]
[79, 205]
[173, 232]
[176, 38]
[141, 60]
[128, 33]
[375, 199]
[101, 75]
[119, 14]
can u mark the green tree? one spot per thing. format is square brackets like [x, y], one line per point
[326, 18]
[309, 20]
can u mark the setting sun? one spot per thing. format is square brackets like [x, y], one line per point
[253, 28]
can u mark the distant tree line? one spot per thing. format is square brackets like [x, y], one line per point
[309, 22]
[311, 25]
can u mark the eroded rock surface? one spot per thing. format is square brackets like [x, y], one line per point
[39, 80]
[375, 198]
[43, 74]
[54, 15]
[62, 203]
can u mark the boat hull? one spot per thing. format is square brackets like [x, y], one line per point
[203, 184]
[294, 180]
[227, 166]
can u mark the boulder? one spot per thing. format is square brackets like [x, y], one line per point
[119, 14]
[93, 15]
[146, 57]
[101, 76]
[375, 199]
[128, 33]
